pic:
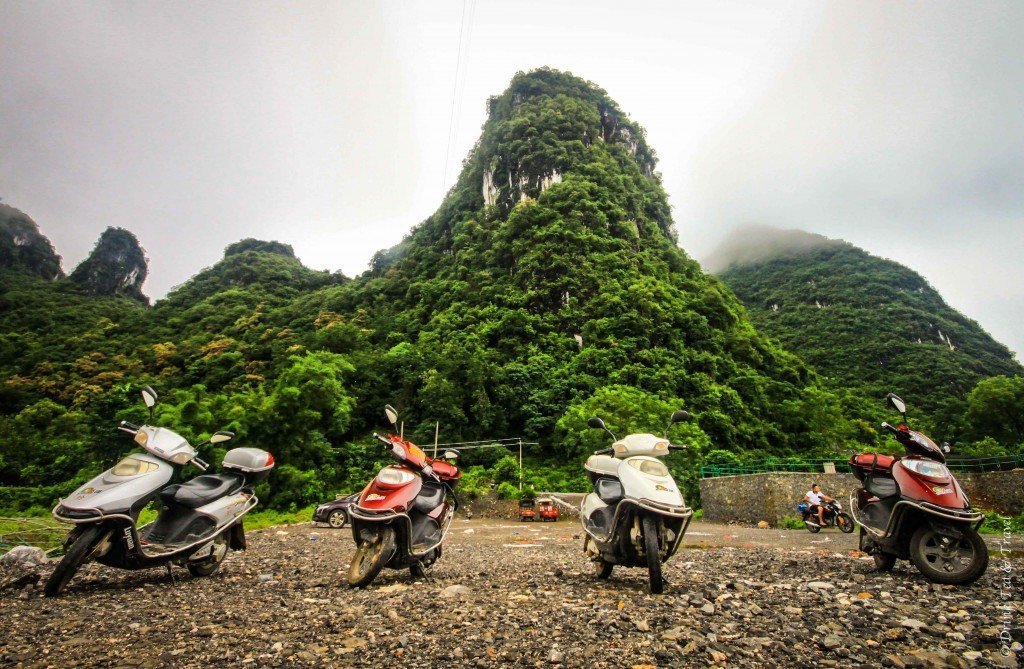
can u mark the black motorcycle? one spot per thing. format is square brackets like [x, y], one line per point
[833, 515]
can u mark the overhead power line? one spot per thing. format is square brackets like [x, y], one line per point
[459, 83]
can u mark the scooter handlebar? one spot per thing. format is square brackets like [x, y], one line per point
[131, 428]
[890, 428]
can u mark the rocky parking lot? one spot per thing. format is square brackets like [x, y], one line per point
[508, 594]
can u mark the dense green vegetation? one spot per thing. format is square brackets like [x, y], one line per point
[869, 325]
[546, 288]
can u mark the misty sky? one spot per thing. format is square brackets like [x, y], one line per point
[325, 125]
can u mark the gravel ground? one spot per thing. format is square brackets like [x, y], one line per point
[508, 594]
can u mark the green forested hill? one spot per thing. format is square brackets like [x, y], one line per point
[863, 322]
[548, 286]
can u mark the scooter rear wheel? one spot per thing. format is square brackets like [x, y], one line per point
[211, 565]
[418, 570]
[884, 561]
[371, 556]
[650, 528]
[602, 568]
[73, 560]
[949, 561]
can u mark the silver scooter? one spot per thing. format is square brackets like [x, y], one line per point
[636, 515]
[198, 522]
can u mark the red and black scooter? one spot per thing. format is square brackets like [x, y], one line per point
[403, 515]
[912, 507]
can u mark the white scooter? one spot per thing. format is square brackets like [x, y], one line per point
[636, 516]
[199, 520]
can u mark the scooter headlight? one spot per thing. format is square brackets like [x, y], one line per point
[929, 468]
[395, 476]
[132, 467]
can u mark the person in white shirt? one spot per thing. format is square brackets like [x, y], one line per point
[815, 497]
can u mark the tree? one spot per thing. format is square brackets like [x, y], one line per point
[995, 408]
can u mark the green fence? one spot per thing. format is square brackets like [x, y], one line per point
[841, 464]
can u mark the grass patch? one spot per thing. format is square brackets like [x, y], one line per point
[996, 524]
[698, 514]
[43, 531]
[258, 520]
[792, 523]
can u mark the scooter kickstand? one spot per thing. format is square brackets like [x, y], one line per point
[170, 574]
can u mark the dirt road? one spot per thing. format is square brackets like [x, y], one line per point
[510, 594]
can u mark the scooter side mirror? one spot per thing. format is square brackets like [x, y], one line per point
[149, 397]
[896, 402]
[451, 455]
[598, 424]
[680, 416]
[945, 447]
[221, 436]
[391, 413]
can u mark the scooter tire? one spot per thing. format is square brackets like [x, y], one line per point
[603, 568]
[845, 523]
[884, 562]
[370, 558]
[977, 566]
[649, 524]
[418, 570]
[813, 529]
[211, 565]
[73, 560]
[201, 569]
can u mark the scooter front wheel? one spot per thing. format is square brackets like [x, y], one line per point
[845, 523]
[947, 560]
[371, 556]
[81, 548]
[650, 528]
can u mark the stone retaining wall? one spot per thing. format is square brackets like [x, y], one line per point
[754, 497]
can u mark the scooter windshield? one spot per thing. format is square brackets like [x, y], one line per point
[925, 446]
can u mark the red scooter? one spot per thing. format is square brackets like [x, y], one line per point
[403, 515]
[911, 507]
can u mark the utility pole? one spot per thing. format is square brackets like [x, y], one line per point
[520, 464]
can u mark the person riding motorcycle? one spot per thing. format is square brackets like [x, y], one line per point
[814, 499]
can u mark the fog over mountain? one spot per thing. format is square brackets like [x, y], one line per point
[899, 130]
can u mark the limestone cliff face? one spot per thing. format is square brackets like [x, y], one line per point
[23, 248]
[116, 266]
[541, 129]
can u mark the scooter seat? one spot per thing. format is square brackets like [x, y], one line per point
[201, 490]
[431, 496]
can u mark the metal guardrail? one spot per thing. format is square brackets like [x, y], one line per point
[841, 464]
[31, 532]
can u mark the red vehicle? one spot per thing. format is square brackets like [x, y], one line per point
[404, 513]
[547, 510]
[911, 507]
